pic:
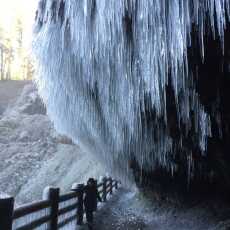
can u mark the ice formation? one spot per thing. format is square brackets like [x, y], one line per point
[104, 69]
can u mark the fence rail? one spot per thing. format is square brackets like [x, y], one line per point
[54, 211]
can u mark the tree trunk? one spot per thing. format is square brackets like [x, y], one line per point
[2, 66]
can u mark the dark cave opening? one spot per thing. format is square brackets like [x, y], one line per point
[212, 82]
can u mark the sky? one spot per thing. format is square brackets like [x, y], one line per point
[24, 9]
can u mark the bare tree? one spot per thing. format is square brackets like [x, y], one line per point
[13, 54]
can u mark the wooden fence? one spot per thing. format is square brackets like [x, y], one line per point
[54, 211]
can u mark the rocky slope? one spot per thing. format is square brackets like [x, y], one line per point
[33, 155]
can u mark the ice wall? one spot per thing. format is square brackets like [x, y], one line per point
[104, 67]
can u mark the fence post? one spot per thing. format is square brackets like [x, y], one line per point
[97, 190]
[75, 189]
[52, 194]
[104, 180]
[116, 184]
[80, 209]
[110, 185]
[6, 213]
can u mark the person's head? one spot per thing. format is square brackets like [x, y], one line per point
[90, 182]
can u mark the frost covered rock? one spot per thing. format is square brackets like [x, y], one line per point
[29, 102]
[33, 155]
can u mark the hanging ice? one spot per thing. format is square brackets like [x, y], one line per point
[104, 67]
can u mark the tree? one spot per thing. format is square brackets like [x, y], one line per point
[14, 60]
[1, 62]
[19, 36]
[1, 54]
[28, 69]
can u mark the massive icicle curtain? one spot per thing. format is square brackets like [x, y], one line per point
[115, 77]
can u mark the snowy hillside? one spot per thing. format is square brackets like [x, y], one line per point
[33, 155]
[9, 91]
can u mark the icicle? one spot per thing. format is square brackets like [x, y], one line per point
[103, 67]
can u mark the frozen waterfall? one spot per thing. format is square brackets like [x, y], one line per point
[104, 68]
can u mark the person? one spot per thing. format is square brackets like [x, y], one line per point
[90, 200]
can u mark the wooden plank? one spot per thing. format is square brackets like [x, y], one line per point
[99, 185]
[6, 213]
[30, 208]
[108, 190]
[35, 223]
[108, 186]
[111, 185]
[67, 209]
[54, 199]
[67, 221]
[68, 196]
[104, 193]
[80, 209]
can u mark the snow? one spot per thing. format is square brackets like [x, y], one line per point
[33, 155]
[9, 90]
[102, 66]
[129, 210]
[3, 195]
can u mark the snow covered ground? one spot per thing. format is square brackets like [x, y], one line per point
[32, 154]
[130, 210]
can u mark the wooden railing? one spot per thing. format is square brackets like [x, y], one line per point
[54, 211]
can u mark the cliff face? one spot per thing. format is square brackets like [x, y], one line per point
[140, 84]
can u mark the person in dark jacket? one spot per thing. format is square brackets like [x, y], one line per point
[90, 200]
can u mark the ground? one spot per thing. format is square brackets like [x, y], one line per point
[116, 215]
[129, 210]
[125, 211]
